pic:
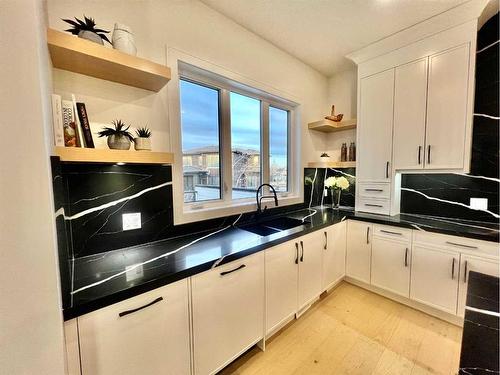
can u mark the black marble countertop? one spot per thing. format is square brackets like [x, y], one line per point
[103, 279]
[480, 339]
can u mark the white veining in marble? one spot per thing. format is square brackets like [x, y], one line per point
[454, 222]
[480, 177]
[341, 172]
[450, 202]
[312, 186]
[487, 116]
[488, 46]
[482, 311]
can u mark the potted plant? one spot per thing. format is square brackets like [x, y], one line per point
[119, 138]
[336, 185]
[87, 30]
[143, 139]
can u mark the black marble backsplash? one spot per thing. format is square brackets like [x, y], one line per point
[314, 179]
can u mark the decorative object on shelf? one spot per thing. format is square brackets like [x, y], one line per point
[123, 39]
[336, 185]
[343, 152]
[334, 117]
[352, 151]
[143, 139]
[87, 30]
[119, 138]
[325, 157]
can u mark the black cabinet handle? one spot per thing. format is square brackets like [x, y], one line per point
[367, 235]
[465, 272]
[419, 156]
[461, 245]
[453, 269]
[302, 247]
[326, 241]
[296, 253]
[389, 232]
[387, 170]
[236, 269]
[373, 205]
[428, 154]
[406, 257]
[123, 313]
[377, 190]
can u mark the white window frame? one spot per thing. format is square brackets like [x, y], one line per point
[199, 71]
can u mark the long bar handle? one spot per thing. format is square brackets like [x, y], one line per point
[326, 240]
[302, 247]
[406, 257]
[461, 245]
[377, 190]
[428, 154]
[367, 235]
[387, 170]
[236, 269]
[465, 272]
[296, 253]
[453, 269]
[388, 231]
[419, 154]
[127, 312]
[373, 205]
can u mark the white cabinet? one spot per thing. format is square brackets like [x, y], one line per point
[447, 115]
[434, 277]
[228, 312]
[391, 256]
[410, 104]
[375, 127]
[359, 249]
[473, 263]
[334, 251]
[281, 284]
[310, 265]
[146, 334]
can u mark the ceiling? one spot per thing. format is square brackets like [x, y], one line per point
[321, 32]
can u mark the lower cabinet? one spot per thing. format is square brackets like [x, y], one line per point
[146, 334]
[472, 263]
[281, 284]
[310, 264]
[391, 265]
[334, 254]
[434, 277]
[228, 312]
[359, 250]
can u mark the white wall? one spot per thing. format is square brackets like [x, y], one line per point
[195, 29]
[31, 338]
[342, 92]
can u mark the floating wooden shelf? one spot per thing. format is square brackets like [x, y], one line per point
[329, 126]
[332, 164]
[78, 55]
[97, 155]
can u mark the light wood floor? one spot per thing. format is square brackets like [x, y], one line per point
[354, 331]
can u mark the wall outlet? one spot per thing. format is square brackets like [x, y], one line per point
[134, 273]
[479, 203]
[131, 221]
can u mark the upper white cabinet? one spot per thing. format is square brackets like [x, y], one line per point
[334, 251]
[410, 102]
[376, 115]
[228, 312]
[447, 109]
[147, 334]
[359, 250]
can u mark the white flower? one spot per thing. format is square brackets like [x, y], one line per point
[331, 182]
[342, 183]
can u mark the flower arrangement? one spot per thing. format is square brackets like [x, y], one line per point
[336, 185]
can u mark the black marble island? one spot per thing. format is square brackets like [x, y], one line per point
[480, 340]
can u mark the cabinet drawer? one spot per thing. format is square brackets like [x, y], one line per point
[376, 206]
[374, 190]
[395, 233]
[462, 244]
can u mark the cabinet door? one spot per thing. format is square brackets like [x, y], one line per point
[228, 312]
[434, 278]
[359, 249]
[471, 263]
[410, 101]
[310, 265]
[281, 283]
[391, 266]
[375, 127]
[447, 109]
[152, 340]
[334, 254]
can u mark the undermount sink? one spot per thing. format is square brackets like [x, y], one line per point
[273, 226]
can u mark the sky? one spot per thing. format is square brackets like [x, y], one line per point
[199, 116]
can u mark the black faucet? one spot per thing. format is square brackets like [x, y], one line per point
[259, 201]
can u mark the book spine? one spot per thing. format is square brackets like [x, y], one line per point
[84, 121]
[79, 132]
[57, 120]
[68, 124]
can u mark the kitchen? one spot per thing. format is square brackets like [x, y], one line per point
[286, 199]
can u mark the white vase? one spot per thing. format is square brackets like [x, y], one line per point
[123, 39]
[90, 35]
[141, 144]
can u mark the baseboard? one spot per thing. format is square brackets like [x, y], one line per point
[453, 319]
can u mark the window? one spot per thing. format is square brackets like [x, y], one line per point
[233, 140]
